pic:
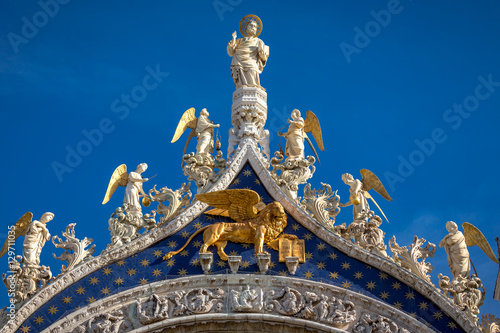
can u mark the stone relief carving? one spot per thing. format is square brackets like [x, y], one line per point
[377, 324]
[408, 256]
[74, 249]
[246, 299]
[177, 201]
[323, 204]
[490, 324]
[467, 293]
[114, 322]
[310, 306]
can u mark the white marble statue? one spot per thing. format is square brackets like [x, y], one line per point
[456, 251]
[294, 136]
[205, 134]
[357, 197]
[35, 238]
[134, 188]
[249, 53]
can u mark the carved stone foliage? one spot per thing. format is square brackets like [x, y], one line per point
[323, 204]
[376, 324]
[408, 256]
[74, 249]
[124, 227]
[310, 306]
[292, 172]
[366, 235]
[25, 279]
[177, 201]
[199, 168]
[490, 324]
[467, 293]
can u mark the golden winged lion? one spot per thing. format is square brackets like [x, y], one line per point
[256, 223]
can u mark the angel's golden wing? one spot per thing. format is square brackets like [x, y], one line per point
[239, 203]
[188, 120]
[311, 125]
[370, 181]
[473, 236]
[20, 229]
[118, 178]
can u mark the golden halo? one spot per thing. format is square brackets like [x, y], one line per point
[247, 18]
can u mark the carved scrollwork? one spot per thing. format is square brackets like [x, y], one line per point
[291, 173]
[323, 204]
[177, 201]
[74, 249]
[366, 235]
[408, 256]
[124, 227]
[199, 168]
[467, 293]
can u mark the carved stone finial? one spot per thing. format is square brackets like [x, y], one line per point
[74, 249]
[467, 293]
[408, 256]
[323, 204]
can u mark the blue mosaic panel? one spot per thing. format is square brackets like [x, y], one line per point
[323, 263]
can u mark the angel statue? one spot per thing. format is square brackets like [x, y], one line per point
[249, 53]
[133, 183]
[456, 243]
[359, 194]
[297, 133]
[200, 127]
[35, 235]
[29, 277]
[256, 222]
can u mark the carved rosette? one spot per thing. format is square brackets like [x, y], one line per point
[323, 204]
[467, 293]
[408, 256]
[292, 172]
[74, 249]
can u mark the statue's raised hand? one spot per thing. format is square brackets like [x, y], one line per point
[234, 35]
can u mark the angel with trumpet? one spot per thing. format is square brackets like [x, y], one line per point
[297, 133]
[359, 194]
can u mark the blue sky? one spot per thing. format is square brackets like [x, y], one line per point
[387, 93]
